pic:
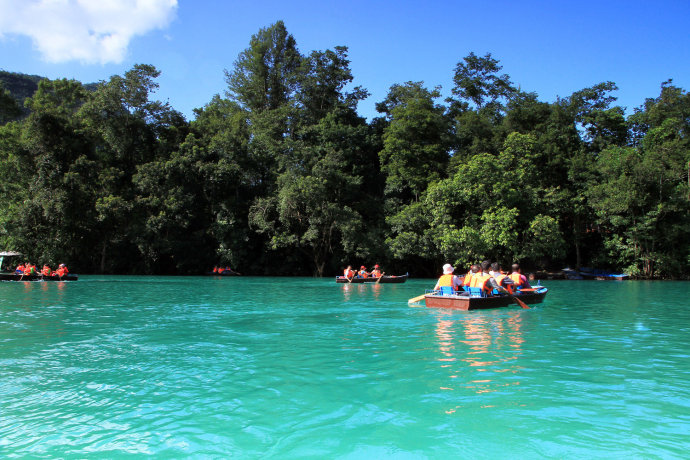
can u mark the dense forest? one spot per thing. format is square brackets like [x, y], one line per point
[280, 175]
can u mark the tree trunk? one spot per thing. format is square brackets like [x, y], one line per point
[103, 250]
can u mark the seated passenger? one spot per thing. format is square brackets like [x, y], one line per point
[363, 272]
[349, 273]
[448, 279]
[376, 272]
[518, 278]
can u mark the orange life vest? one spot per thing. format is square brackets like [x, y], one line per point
[467, 281]
[480, 280]
[517, 279]
[500, 278]
[376, 273]
[445, 280]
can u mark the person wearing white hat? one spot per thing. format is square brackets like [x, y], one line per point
[447, 279]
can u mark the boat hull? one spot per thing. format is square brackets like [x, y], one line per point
[15, 277]
[385, 279]
[464, 302]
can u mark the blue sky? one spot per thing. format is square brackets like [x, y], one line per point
[550, 47]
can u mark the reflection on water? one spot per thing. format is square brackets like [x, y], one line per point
[473, 347]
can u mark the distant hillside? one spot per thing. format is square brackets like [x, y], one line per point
[20, 85]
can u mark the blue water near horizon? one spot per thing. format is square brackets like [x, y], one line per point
[248, 367]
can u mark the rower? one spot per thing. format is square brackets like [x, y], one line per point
[376, 272]
[363, 272]
[518, 278]
[46, 271]
[349, 272]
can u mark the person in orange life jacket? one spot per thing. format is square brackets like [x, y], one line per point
[363, 272]
[484, 280]
[518, 278]
[349, 272]
[46, 271]
[376, 272]
[474, 269]
[29, 269]
[501, 278]
[448, 279]
[20, 269]
[62, 270]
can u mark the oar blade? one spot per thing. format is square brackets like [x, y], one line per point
[416, 299]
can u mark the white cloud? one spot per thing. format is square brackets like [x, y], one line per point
[86, 30]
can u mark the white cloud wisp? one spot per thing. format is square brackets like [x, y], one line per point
[90, 31]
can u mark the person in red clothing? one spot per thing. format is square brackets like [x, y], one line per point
[46, 271]
[62, 270]
[363, 272]
[20, 269]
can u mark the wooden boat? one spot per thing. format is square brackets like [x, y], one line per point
[596, 274]
[37, 277]
[224, 273]
[387, 279]
[464, 301]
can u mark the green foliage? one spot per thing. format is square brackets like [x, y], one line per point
[282, 176]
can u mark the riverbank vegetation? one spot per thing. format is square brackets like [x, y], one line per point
[280, 175]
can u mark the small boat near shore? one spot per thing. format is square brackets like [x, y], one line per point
[464, 301]
[37, 277]
[385, 279]
[224, 273]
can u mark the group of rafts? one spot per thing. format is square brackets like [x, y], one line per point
[484, 286]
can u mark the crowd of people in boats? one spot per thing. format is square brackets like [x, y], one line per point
[224, 271]
[29, 269]
[349, 273]
[487, 276]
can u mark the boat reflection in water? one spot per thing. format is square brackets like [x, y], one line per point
[474, 347]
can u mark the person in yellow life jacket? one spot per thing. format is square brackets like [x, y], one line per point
[376, 272]
[467, 281]
[349, 273]
[448, 279]
[484, 280]
[46, 271]
[363, 272]
[518, 278]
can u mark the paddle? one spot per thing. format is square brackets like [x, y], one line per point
[517, 301]
[378, 280]
[416, 299]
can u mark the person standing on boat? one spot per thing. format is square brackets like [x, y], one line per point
[448, 279]
[376, 272]
[518, 278]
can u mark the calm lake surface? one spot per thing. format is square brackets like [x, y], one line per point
[113, 367]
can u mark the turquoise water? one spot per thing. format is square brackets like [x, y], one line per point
[117, 367]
